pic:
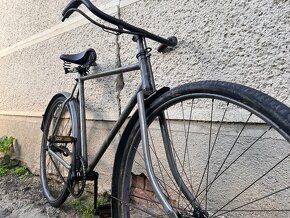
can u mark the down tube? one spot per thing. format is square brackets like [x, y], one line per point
[114, 131]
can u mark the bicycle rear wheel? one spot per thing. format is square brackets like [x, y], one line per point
[229, 144]
[58, 149]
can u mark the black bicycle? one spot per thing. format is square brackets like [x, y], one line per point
[202, 149]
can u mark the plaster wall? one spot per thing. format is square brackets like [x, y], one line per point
[245, 42]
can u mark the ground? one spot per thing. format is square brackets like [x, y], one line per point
[22, 197]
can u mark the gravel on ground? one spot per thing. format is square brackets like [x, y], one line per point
[22, 197]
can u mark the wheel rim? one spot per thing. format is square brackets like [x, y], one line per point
[239, 168]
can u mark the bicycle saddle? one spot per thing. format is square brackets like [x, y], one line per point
[86, 57]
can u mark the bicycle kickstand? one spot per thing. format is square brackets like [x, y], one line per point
[94, 177]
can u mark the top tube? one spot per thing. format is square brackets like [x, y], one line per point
[74, 4]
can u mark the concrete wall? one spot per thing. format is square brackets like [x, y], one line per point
[241, 41]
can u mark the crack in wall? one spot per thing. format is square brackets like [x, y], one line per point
[119, 79]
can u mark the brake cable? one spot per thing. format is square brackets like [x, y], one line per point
[111, 30]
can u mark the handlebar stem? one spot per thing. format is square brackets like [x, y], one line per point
[143, 56]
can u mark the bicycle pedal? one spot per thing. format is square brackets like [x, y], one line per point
[61, 139]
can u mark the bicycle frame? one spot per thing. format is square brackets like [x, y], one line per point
[145, 89]
[116, 126]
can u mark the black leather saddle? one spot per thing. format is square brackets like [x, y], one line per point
[86, 57]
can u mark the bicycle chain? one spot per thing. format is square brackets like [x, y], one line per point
[82, 181]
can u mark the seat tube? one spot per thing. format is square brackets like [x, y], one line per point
[84, 152]
[143, 56]
[147, 158]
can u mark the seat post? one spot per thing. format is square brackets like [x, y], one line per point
[143, 56]
[84, 152]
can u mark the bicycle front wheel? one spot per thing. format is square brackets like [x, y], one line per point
[58, 149]
[218, 150]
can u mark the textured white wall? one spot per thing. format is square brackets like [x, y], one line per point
[240, 41]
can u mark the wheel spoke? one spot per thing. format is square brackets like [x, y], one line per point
[214, 152]
[158, 162]
[162, 181]
[228, 154]
[235, 160]
[259, 199]
[185, 148]
[209, 149]
[212, 149]
[253, 183]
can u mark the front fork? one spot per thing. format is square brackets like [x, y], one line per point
[198, 212]
[148, 163]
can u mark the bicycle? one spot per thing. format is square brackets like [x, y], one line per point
[210, 148]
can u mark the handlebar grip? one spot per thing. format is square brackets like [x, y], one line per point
[67, 12]
[162, 47]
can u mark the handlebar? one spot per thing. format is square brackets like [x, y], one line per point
[74, 4]
[67, 12]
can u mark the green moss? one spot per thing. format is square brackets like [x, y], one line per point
[21, 171]
[3, 171]
[5, 143]
[85, 205]
[103, 200]
[13, 167]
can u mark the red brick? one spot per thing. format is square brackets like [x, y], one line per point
[138, 181]
[148, 186]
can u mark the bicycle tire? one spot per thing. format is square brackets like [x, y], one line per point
[228, 148]
[55, 178]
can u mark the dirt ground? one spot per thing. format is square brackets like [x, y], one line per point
[22, 197]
